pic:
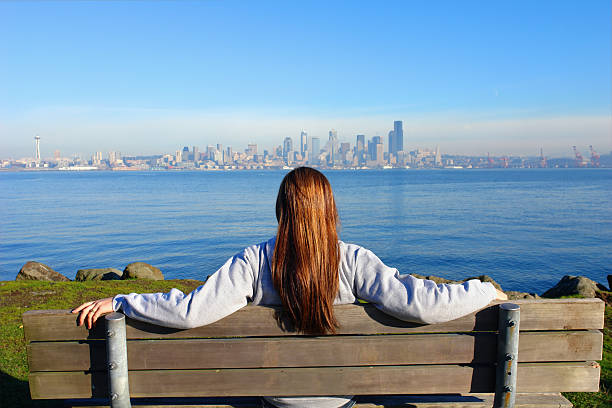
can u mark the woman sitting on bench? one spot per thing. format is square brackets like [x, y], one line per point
[306, 269]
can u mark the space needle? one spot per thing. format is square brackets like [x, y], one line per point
[37, 139]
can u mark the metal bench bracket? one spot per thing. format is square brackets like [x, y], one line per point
[507, 355]
[116, 352]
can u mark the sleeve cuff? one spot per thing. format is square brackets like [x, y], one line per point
[117, 302]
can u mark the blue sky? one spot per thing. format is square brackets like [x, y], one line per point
[150, 77]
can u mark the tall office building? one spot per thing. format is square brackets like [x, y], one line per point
[333, 146]
[196, 153]
[220, 156]
[398, 137]
[360, 147]
[303, 143]
[251, 149]
[287, 148]
[392, 143]
[333, 135]
[210, 152]
[315, 150]
[438, 159]
[360, 143]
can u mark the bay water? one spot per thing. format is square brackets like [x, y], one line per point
[525, 228]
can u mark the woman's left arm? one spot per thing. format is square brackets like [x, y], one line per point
[226, 291]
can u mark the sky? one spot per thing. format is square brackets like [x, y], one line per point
[148, 77]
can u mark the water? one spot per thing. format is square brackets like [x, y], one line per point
[524, 227]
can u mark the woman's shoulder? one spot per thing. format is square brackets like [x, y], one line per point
[346, 247]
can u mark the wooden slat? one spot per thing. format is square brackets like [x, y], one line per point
[543, 400]
[316, 352]
[423, 379]
[550, 314]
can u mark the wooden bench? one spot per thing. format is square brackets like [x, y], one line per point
[248, 354]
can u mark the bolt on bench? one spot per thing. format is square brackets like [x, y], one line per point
[377, 357]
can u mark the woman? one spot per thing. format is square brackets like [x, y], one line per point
[307, 270]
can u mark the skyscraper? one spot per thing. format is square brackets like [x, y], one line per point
[392, 142]
[315, 151]
[398, 137]
[251, 149]
[360, 143]
[360, 148]
[303, 142]
[287, 148]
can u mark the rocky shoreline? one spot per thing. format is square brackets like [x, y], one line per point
[568, 285]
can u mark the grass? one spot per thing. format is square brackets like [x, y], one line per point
[17, 297]
[603, 398]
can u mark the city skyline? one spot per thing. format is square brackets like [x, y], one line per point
[334, 153]
[504, 78]
[304, 143]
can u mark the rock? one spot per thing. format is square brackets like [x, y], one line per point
[97, 274]
[141, 270]
[485, 278]
[38, 271]
[574, 285]
[514, 295]
[610, 282]
[436, 279]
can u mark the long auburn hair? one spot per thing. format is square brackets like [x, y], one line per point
[306, 254]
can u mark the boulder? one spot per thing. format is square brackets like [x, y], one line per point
[514, 295]
[142, 270]
[485, 278]
[97, 274]
[436, 279]
[439, 280]
[38, 271]
[574, 285]
[610, 282]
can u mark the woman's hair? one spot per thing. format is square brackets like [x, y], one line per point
[306, 254]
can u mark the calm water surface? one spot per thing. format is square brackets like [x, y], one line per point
[525, 228]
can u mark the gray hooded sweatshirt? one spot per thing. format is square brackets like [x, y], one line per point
[246, 278]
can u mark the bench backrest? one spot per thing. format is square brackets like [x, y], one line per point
[250, 354]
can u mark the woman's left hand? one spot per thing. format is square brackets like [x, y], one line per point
[91, 311]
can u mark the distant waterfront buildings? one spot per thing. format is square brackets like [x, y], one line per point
[373, 153]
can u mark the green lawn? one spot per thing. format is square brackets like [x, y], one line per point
[603, 398]
[19, 296]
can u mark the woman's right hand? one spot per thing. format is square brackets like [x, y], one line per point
[91, 311]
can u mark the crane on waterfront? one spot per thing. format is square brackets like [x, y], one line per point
[542, 158]
[594, 157]
[579, 159]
